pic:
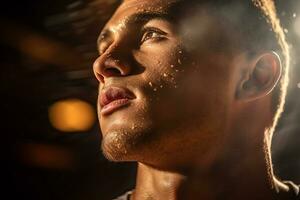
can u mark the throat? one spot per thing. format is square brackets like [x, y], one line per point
[246, 179]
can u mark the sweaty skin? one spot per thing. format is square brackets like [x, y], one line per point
[192, 125]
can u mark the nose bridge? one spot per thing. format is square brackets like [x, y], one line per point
[115, 60]
[120, 44]
[115, 50]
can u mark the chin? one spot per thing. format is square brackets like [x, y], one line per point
[125, 134]
[123, 144]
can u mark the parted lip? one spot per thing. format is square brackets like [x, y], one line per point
[112, 94]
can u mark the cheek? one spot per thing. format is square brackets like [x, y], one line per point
[180, 89]
[203, 91]
[163, 65]
[208, 92]
[160, 81]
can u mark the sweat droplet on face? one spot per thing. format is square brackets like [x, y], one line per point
[133, 127]
[165, 75]
[150, 83]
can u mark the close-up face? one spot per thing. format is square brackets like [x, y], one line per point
[157, 94]
[153, 99]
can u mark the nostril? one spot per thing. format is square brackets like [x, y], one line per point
[112, 71]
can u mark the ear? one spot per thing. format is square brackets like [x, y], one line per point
[261, 77]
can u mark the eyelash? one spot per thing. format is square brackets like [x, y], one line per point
[150, 30]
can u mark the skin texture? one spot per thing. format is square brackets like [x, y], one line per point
[193, 126]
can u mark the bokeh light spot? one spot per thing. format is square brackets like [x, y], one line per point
[72, 115]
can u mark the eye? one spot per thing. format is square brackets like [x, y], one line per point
[152, 34]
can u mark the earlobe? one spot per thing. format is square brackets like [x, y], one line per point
[263, 74]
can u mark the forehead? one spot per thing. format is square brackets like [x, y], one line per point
[133, 7]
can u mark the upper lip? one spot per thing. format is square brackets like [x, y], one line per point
[114, 93]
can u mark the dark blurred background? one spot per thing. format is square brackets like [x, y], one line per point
[51, 140]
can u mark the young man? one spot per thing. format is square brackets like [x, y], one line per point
[192, 91]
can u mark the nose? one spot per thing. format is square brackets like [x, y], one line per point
[111, 64]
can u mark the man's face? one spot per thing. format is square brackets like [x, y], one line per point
[160, 99]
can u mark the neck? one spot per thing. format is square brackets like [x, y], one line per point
[238, 170]
[225, 179]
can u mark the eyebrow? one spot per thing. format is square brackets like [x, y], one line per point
[137, 18]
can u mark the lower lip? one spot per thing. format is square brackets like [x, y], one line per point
[113, 106]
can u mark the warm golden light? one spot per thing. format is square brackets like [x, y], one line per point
[72, 115]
